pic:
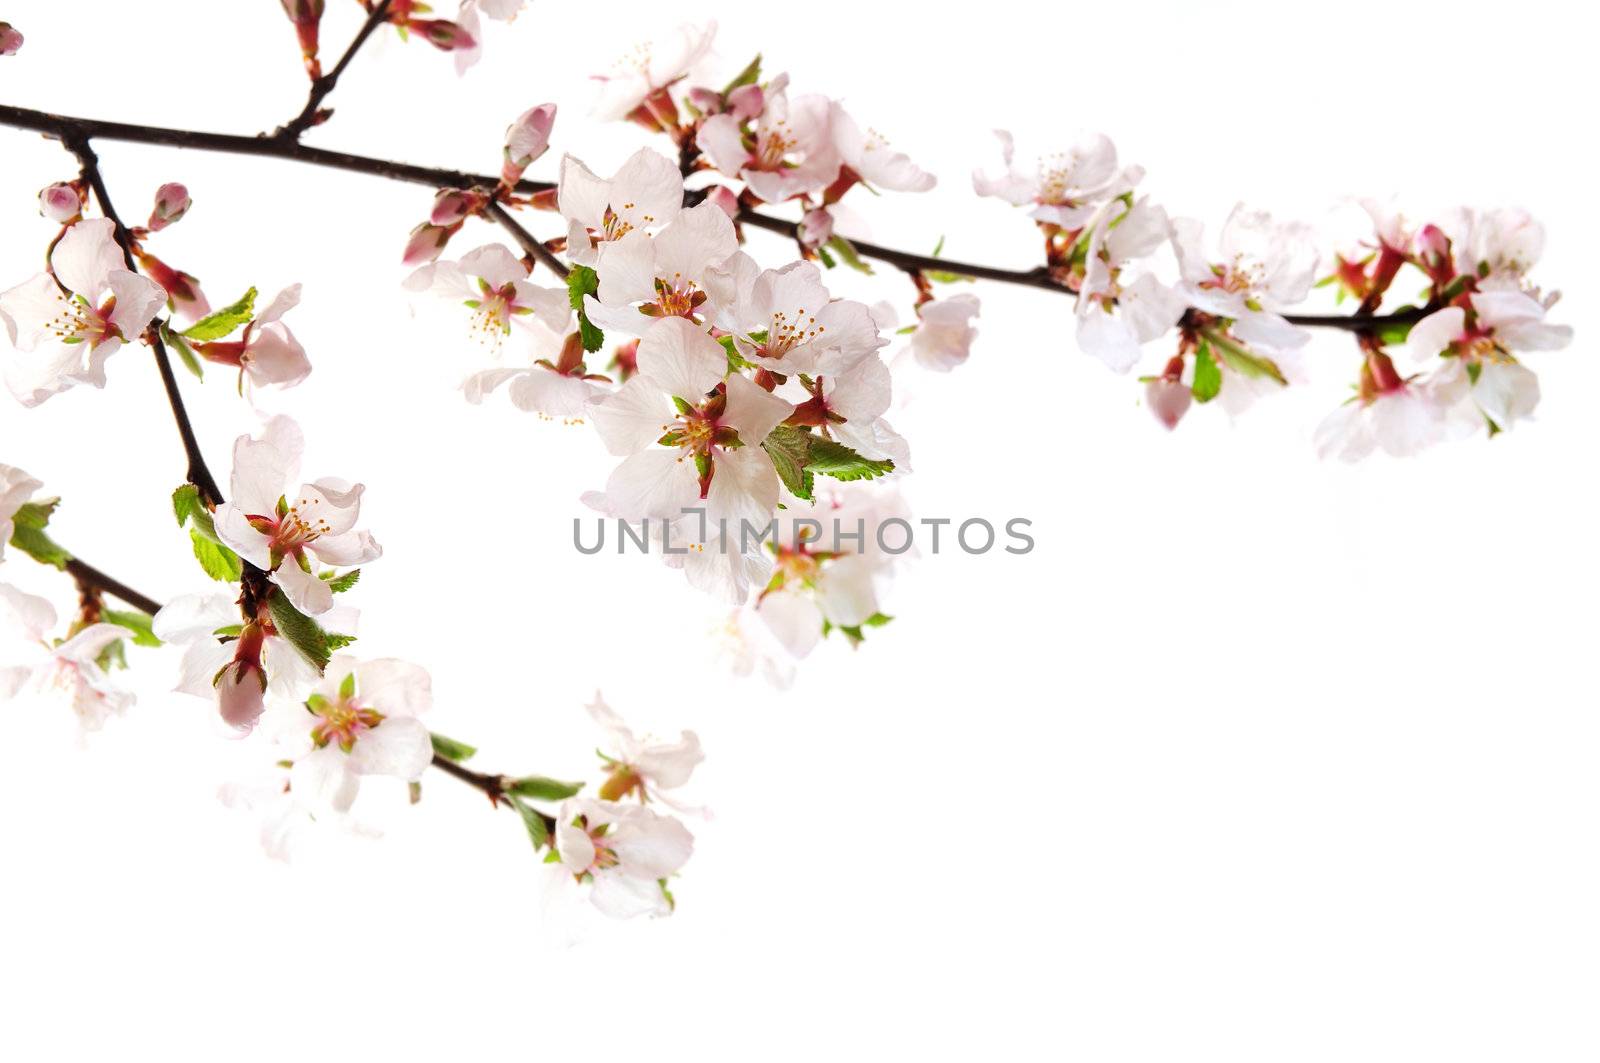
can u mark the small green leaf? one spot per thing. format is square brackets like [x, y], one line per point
[219, 323]
[1395, 333]
[538, 829]
[543, 789]
[584, 281]
[342, 582]
[1243, 361]
[39, 546]
[450, 749]
[301, 632]
[36, 514]
[135, 621]
[347, 686]
[790, 449]
[849, 255]
[842, 463]
[748, 76]
[219, 562]
[1207, 375]
[185, 353]
[827, 259]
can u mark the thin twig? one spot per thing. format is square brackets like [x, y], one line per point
[292, 129]
[527, 241]
[198, 473]
[61, 126]
[87, 575]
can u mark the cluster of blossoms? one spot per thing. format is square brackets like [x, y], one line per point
[744, 403]
[1228, 309]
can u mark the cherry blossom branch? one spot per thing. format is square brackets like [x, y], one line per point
[527, 241]
[198, 472]
[322, 86]
[64, 126]
[87, 575]
[496, 787]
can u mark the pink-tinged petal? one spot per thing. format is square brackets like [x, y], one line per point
[794, 620]
[239, 698]
[495, 264]
[275, 358]
[701, 236]
[1436, 332]
[86, 254]
[192, 616]
[681, 359]
[322, 781]
[202, 660]
[572, 842]
[1108, 338]
[627, 268]
[138, 300]
[305, 591]
[647, 191]
[394, 687]
[265, 466]
[1168, 400]
[329, 505]
[669, 765]
[239, 535]
[633, 417]
[26, 615]
[527, 139]
[723, 144]
[862, 393]
[552, 307]
[60, 202]
[1506, 391]
[398, 746]
[845, 591]
[281, 304]
[88, 644]
[343, 551]
[620, 896]
[538, 390]
[581, 195]
[28, 310]
[477, 386]
[752, 410]
[744, 487]
[653, 483]
[650, 846]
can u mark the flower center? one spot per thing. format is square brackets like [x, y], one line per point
[77, 321]
[773, 143]
[342, 720]
[786, 333]
[1056, 179]
[679, 297]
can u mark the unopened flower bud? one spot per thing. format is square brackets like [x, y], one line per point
[10, 39]
[1168, 400]
[242, 683]
[172, 203]
[427, 241]
[526, 140]
[442, 33]
[746, 101]
[306, 16]
[60, 202]
[453, 205]
[725, 198]
[816, 228]
[704, 100]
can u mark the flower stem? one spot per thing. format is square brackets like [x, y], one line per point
[322, 86]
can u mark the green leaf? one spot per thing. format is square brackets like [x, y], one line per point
[1395, 333]
[219, 562]
[1245, 362]
[790, 449]
[135, 621]
[827, 259]
[302, 632]
[343, 582]
[849, 255]
[36, 514]
[1207, 375]
[538, 830]
[450, 749]
[944, 276]
[185, 353]
[748, 76]
[39, 546]
[219, 323]
[842, 463]
[584, 281]
[543, 789]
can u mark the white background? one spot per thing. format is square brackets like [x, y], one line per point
[1254, 758]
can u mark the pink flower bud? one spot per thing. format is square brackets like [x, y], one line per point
[1432, 244]
[60, 202]
[172, 203]
[704, 100]
[1168, 399]
[453, 205]
[427, 240]
[526, 140]
[442, 33]
[724, 197]
[816, 227]
[10, 39]
[746, 101]
[306, 16]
